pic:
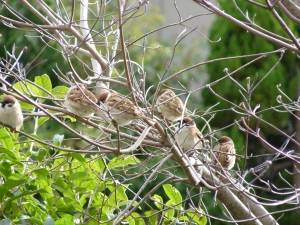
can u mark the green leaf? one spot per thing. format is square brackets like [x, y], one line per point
[64, 188]
[41, 121]
[66, 219]
[16, 142]
[79, 176]
[197, 217]
[40, 154]
[60, 91]
[98, 165]
[24, 193]
[5, 222]
[126, 202]
[5, 169]
[27, 106]
[158, 200]
[120, 191]
[20, 86]
[6, 140]
[49, 221]
[7, 152]
[169, 213]
[130, 220]
[42, 174]
[10, 184]
[77, 156]
[122, 161]
[37, 208]
[152, 219]
[35, 221]
[45, 82]
[57, 139]
[184, 218]
[173, 194]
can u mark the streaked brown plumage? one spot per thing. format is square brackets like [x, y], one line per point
[122, 110]
[188, 136]
[77, 102]
[225, 154]
[170, 105]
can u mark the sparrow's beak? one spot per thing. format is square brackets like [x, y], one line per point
[2, 104]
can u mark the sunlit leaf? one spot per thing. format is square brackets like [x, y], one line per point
[197, 217]
[26, 106]
[6, 140]
[152, 219]
[40, 154]
[35, 221]
[38, 210]
[158, 200]
[66, 219]
[77, 156]
[60, 91]
[64, 188]
[42, 174]
[49, 221]
[57, 139]
[122, 161]
[120, 191]
[44, 81]
[11, 154]
[79, 176]
[173, 194]
[5, 169]
[169, 213]
[24, 193]
[98, 165]
[26, 88]
[10, 184]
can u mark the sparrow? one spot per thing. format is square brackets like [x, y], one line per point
[121, 109]
[76, 101]
[11, 113]
[224, 152]
[188, 136]
[170, 105]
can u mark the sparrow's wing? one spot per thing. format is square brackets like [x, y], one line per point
[200, 136]
[77, 96]
[122, 104]
[230, 156]
[172, 101]
[216, 152]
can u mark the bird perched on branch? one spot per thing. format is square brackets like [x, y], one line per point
[81, 101]
[188, 136]
[224, 152]
[170, 105]
[121, 109]
[11, 113]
